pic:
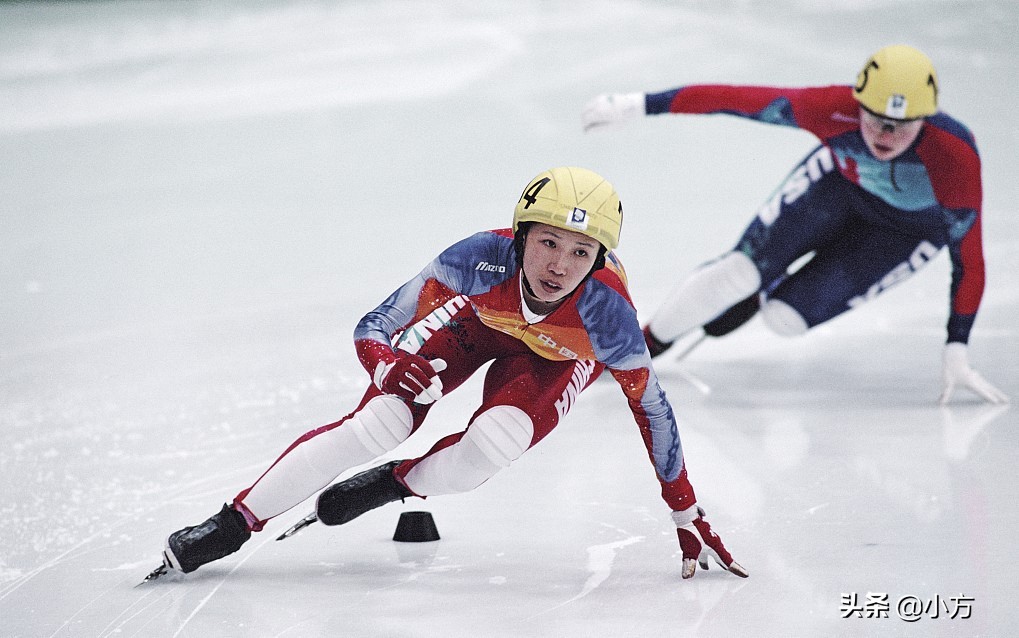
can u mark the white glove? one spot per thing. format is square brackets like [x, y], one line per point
[411, 377]
[612, 110]
[956, 372]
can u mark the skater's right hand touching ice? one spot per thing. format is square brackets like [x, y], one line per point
[410, 377]
[699, 543]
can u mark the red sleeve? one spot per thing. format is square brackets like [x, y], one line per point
[954, 169]
[971, 287]
[825, 111]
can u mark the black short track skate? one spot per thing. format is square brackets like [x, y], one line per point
[344, 501]
[188, 549]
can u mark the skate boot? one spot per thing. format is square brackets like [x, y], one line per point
[221, 535]
[655, 346]
[346, 500]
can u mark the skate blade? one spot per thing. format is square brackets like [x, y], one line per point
[298, 526]
[162, 570]
[701, 387]
[687, 343]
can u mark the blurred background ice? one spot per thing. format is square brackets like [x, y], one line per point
[198, 200]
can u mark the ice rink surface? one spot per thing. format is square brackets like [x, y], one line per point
[199, 200]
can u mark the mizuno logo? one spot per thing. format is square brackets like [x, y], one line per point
[484, 266]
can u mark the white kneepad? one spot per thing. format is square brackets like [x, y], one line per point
[502, 434]
[783, 319]
[382, 424]
[737, 274]
[496, 438]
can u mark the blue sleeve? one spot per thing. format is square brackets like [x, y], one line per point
[470, 266]
[618, 342]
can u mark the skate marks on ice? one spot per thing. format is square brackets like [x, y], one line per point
[67, 556]
[137, 618]
[205, 600]
[599, 564]
[106, 566]
[167, 605]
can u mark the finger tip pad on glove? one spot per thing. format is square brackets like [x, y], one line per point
[690, 568]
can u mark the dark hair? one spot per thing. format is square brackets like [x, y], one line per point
[521, 235]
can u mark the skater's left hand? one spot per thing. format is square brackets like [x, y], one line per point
[411, 377]
[699, 542]
[957, 372]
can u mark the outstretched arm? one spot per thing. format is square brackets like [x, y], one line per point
[697, 540]
[810, 108]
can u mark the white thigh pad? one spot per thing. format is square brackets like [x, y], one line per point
[382, 424]
[706, 293]
[783, 319]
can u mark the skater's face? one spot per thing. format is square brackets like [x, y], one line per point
[887, 138]
[555, 262]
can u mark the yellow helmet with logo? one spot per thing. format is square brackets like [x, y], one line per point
[572, 199]
[898, 82]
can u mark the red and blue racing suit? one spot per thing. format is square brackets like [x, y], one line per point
[465, 307]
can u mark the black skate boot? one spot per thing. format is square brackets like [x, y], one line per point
[346, 500]
[221, 535]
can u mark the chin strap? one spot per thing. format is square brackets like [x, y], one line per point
[526, 284]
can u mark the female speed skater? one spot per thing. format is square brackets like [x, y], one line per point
[546, 303]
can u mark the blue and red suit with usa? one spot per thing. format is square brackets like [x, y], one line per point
[871, 223]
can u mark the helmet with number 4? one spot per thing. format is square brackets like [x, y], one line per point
[572, 199]
[898, 82]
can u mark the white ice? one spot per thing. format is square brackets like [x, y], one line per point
[198, 200]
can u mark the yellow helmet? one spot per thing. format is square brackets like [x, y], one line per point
[572, 199]
[898, 82]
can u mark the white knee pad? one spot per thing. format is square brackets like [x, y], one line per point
[708, 292]
[382, 424]
[502, 434]
[783, 319]
[496, 438]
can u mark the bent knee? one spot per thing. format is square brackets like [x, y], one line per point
[501, 434]
[743, 272]
[382, 424]
[783, 319]
[494, 440]
[735, 273]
